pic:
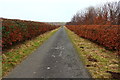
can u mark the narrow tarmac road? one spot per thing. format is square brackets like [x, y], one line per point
[56, 58]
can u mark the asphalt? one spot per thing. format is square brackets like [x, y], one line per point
[56, 58]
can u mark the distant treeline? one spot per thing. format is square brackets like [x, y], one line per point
[108, 13]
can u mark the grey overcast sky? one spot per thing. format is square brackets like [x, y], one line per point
[45, 10]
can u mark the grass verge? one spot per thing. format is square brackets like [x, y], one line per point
[17, 54]
[100, 62]
[0, 66]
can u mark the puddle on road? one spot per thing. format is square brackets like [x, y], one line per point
[48, 68]
[59, 47]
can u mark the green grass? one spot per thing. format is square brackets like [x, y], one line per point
[97, 59]
[18, 53]
[0, 66]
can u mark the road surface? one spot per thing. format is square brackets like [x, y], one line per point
[56, 58]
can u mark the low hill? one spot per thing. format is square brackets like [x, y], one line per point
[56, 23]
